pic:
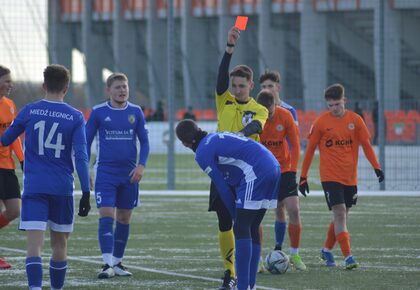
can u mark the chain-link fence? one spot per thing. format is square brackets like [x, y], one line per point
[312, 43]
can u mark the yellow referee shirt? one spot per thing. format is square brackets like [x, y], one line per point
[233, 116]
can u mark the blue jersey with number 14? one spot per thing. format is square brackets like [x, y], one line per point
[52, 130]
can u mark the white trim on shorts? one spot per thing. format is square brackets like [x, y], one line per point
[259, 204]
[42, 226]
[32, 225]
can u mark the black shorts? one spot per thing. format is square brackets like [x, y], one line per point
[215, 202]
[287, 180]
[9, 184]
[338, 193]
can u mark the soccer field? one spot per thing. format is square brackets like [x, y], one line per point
[173, 245]
[188, 176]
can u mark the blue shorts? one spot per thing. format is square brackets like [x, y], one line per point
[260, 192]
[40, 210]
[115, 191]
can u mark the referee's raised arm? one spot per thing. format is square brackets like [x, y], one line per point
[223, 73]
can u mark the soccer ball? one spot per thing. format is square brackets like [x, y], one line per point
[276, 262]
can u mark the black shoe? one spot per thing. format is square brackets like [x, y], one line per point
[277, 248]
[229, 282]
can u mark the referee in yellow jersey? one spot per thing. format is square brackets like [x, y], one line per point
[236, 112]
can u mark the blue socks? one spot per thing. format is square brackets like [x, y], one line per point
[120, 241]
[280, 231]
[106, 236]
[253, 268]
[243, 256]
[34, 272]
[57, 273]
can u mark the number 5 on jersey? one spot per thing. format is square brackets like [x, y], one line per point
[48, 144]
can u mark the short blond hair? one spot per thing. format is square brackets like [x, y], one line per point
[118, 76]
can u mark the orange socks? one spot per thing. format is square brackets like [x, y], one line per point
[343, 240]
[3, 221]
[330, 239]
[294, 235]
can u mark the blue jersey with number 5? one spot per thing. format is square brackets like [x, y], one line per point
[52, 131]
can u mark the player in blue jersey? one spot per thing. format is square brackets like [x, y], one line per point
[117, 124]
[246, 176]
[53, 129]
[270, 80]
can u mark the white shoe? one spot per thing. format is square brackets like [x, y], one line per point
[120, 270]
[107, 272]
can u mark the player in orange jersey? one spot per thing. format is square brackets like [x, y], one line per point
[338, 134]
[9, 185]
[279, 126]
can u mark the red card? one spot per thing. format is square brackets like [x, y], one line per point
[241, 22]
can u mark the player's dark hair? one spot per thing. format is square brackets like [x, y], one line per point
[271, 75]
[265, 98]
[188, 132]
[56, 78]
[115, 77]
[334, 92]
[242, 71]
[4, 71]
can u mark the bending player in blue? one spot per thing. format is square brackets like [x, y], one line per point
[232, 160]
[52, 130]
[117, 124]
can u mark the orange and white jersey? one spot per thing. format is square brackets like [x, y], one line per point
[7, 115]
[338, 140]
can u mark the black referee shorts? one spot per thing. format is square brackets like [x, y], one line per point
[215, 202]
[9, 184]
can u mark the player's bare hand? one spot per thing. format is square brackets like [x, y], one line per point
[136, 174]
[233, 35]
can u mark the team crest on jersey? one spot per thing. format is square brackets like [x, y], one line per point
[247, 118]
[351, 126]
[279, 127]
[12, 110]
[131, 119]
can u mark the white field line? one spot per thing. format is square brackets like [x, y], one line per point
[169, 273]
[312, 193]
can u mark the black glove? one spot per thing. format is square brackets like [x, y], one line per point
[380, 174]
[84, 204]
[21, 165]
[303, 186]
[292, 187]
